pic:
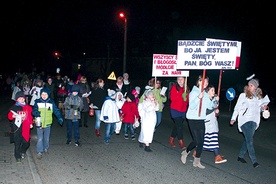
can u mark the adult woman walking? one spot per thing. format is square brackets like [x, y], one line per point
[248, 110]
[196, 119]
[97, 99]
[178, 107]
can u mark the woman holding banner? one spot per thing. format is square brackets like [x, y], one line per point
[178, 107]
[199, 102]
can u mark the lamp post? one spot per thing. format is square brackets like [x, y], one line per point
[123, 16]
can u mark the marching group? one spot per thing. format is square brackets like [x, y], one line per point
[122, 105]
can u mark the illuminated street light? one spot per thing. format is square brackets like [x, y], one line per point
[123, 16]
[56, 55]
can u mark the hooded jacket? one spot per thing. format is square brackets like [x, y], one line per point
[45, 108]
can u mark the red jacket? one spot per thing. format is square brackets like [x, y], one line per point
[129, 111]
[26, 122]
[177, 101]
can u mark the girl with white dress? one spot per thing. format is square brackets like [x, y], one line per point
[147, 111]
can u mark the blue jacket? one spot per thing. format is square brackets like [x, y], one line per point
[194, 102]
[45, 109]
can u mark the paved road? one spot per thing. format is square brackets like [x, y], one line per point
[122, 161]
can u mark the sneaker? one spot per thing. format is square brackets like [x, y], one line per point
[77, 143]
[126, 136]
[68, 141]
[39, 155]
[141, 145]
[256, 165]
[106, 142]
[133, 138]
[241, 160]
[219, 159]
[22, 155]
[18, 160]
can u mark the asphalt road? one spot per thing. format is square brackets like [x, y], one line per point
[122, 161]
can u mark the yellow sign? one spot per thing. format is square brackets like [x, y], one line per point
[112, 76]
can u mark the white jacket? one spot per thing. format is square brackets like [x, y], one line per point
[110, 110]
[247, 110]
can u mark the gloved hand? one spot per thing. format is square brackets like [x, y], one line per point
[60, 121]
[184, 96]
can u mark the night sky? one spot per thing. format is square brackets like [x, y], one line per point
[34, 30]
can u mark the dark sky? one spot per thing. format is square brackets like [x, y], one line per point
[34, 30]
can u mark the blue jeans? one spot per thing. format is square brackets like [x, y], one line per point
[109, 129]
[75, 125]
[43, 137]
[128, 126]
[158, 118]
[98, 121]
[248, 130]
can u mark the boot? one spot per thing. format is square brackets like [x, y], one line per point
[181, 144]
[184, 155]
[98, 133]
[197, 163]
[219, 159]
[172, 142]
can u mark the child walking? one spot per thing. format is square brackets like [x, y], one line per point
[20, 115]
[109, 115]
[43, 111]
[120, 100]
[73, 106]
[130, 112]
[211, 142]
[147, 114]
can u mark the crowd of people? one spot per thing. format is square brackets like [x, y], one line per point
[121, 104]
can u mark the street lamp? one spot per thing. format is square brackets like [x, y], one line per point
[123, 16]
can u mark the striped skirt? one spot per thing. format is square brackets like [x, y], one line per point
[211, 141]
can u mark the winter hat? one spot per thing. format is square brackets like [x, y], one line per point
[134, 92]
[19, 94]
[131, 97]
[148, 92]
[254, 82]
[125, 74]
[45, 90]
[75, 88]
[111, 92]
[138, 89]
[38, 80]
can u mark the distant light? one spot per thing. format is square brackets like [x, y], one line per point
[122, 15]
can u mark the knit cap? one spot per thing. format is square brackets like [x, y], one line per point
[19, 94]
[75, 88]
[111, 92]
[254, 82]
[137, 88]
[148, 92]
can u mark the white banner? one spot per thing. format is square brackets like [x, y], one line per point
[206, 54]
[165, 66]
